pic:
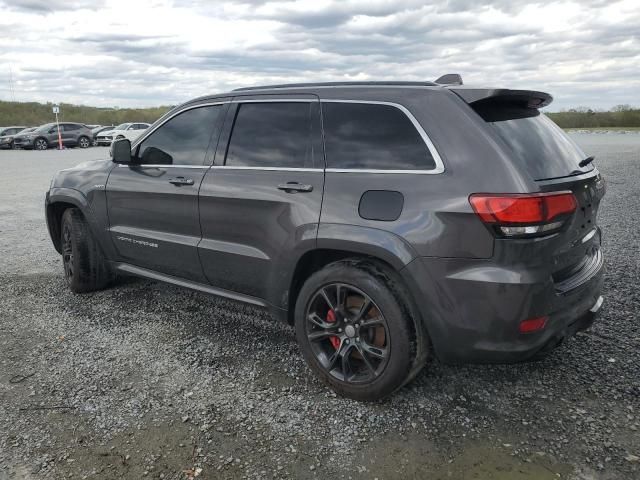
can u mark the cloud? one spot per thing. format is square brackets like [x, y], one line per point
[119, 52]
[46, 6]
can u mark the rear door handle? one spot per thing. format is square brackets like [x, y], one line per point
[295, 187]
[181, 181]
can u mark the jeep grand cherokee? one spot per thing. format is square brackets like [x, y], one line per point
[389, 222]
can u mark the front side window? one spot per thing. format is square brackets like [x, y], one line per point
[273, 134]
[369, 136]
[183, 140]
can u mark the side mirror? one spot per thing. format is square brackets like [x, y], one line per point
[121, 151]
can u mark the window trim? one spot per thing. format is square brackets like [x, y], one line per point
[439, 166]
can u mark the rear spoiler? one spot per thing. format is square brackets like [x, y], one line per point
[516, 98]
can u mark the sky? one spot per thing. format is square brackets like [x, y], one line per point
[136, 53]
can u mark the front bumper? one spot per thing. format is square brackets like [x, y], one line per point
[104, 141]
[23, 142]
[472, 308]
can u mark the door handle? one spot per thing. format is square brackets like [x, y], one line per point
[295, 187]
[181, 181]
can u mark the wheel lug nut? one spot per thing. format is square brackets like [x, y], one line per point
[340, 330]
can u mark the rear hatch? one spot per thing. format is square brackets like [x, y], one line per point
[554, 161]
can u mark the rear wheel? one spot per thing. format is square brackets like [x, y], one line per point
[40, 144]
[85, 267]
[354, 331]
[84, 142]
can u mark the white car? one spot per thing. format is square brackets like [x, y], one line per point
[124, 130]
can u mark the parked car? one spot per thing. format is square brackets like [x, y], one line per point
[6, 135]
[388, 222]
[45, 136]
[130, 131]
[97, 130]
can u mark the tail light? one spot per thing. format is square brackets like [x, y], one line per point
[524, 215]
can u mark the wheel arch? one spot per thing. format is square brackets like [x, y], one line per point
[59, 200]
[314, 260]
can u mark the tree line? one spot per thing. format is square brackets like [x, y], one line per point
[583, 117]
[33, 114]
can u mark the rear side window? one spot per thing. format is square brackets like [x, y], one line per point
[546, 151]
[183, 140]
[273, 134]
[71, 127]
[372, 137]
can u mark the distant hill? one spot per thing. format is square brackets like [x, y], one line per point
[33, 114]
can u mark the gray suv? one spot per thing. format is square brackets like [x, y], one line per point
[46, 136]
[388, 222]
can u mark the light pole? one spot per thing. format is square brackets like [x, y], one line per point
[56, 110]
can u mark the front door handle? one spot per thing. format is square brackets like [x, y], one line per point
[181, 181]
[295, 187]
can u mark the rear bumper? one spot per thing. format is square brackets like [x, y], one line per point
[472, 309]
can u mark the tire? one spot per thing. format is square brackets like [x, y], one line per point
[85, 268]
[40, 143]
[370, 373]
[84, 142]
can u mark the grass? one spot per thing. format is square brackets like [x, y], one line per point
[613, 129]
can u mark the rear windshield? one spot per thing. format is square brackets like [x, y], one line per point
[544, 148]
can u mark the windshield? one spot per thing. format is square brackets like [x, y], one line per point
[122, 126]
[544, 148]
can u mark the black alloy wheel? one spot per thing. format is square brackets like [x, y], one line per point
[348, 333]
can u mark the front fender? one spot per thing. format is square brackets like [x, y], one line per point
[60, 196]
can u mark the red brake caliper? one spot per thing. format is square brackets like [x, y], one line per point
[331, 318]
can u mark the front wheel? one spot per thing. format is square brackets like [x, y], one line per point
[40, 144]
[354, 330]
[85, 267]
[84, 142]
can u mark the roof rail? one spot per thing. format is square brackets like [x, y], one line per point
[450, 79]
[338, 84]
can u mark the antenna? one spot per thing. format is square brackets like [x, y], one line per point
[450, 79]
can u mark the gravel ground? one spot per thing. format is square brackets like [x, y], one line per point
[145, 379]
